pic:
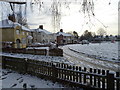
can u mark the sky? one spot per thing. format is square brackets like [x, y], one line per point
[73, 19]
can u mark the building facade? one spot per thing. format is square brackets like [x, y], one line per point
[41, 35]
[64, 38]
[14, 35]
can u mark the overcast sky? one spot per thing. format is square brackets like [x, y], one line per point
[73, 20]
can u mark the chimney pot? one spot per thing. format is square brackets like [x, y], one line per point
[41, 26]
[61, 30]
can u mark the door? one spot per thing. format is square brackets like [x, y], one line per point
[18, 43]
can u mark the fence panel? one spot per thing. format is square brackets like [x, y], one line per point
[93, 78]
[25, 51]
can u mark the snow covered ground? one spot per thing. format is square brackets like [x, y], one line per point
[104, 51]
[47, 48]
[83, 60]
[11, 79]
[102, 56]
[107, 51]
[71, 58]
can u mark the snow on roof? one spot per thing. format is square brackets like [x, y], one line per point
[9, 24]
[6, 24]
[41, 30]
[45, 31]
[64, 34]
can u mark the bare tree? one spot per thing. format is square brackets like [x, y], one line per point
[101, 32]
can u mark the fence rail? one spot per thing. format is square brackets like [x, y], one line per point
[72, 76]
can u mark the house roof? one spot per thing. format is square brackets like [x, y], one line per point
[41, 30]
[9, 24]
[62, 33]
[6, 24]
[45, 31]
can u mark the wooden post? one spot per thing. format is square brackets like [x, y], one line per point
[55, 73]
[62, 72]
[118, 82]
[99, 84]
[95, 78]
[49, 69]
[76, 74]
[80, 80]
[3, 62]
[25, 65]
[103, 80]
[84, 75]
[70, 72]
[65, 71]
[73, 73]
[110, 81]
[91, 76]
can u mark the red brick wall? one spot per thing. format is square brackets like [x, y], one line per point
[59, 39]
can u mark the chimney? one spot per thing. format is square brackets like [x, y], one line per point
[12, 18]
[41, 26]
[61, 30]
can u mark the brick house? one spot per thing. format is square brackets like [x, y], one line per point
[64, 38]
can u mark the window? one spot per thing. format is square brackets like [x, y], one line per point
[27, 33]
[23, 33]
[23, 41]
[17, 32]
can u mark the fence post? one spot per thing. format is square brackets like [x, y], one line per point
[99, 81]
[80, 78]
[91, 77]
[55, 73]
[85, 69]
[25, 65]
[3, 62]
[103, 80]
[118, 82]
[110, 81]
[95, 78]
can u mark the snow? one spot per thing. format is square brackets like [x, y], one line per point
[9, 24]
[6, 24]
[47, 48]
[41, 30]
[15, 80]
[80, 59]
[104, 51]
[37, 57]
[88, 62]
[64, 34]
[36, 43]
[11, 79]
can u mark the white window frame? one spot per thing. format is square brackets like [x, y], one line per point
[17, 31]
[23, 33]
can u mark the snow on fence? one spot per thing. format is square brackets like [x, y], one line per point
[52, 52]
[73, 76]
[25, 51]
